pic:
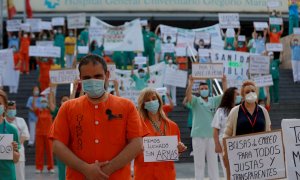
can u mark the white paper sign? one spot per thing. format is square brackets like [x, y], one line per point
[256, 156]
[263, 81]
[161, 91]
[144, 22]
[34, 24]
[96, 34]
[259, 64]
[242, 38]
[260, 26]
[112, 71]
[6, 149]
[44, 51]
[45, 43]
[140, 60]
[58, 21]
[83, 49]
[63, 76]
[76, 21]
[203, 52]
[296, 31]
[176, 78]
[168, 48]
[160, 148]
[13, 25]
[207, 70]
[273, 4]
[274, 47]
[45, 25]
[291, 139]
[276, 21]
[25, 27]
[7, 68]
[180, 51]
[229, 20]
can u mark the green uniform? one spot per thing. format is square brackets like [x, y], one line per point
[149, 46]
[79, 56]
[98, 51]
[59, 41]
[276, 26]
[7, 167]
[122, 59]
[230, 40]
[274, 90]
[261, 94]
[140, 83]
[84, 36]
[293, 17]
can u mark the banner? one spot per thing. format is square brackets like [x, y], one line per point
[63, 76]
[25, 27]
[76, 21]
[260, 26]
[186, 37]
[13, 25]
[176, 78]
[291, 140]
[274, 47]
[6, 149]
[257, 156]
[7, 68]
[276, 21]
[259, 64]
[44, 51]
[44, 43]
[45, 25]
[96, 34]
[207, 70]
[229, 20]
[34, 24]
[274, 4]
[168, 31]
[168, 48]
[58, 21]
[263, 81]
[160, 148]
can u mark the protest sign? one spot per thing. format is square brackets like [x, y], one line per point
[291, 140]
[229, 20]
[58, 21]
[259, 64]
[160, 148]
[96, 34]
[168, 31]
[140, 60]
[242, 38]
[263, 81]
[180, 51]
[44, 51]
[260, 26]
[161, 91]
[214, 32]
[202, 35]
[13, 25]
[273, 4]
[25, 27]
[45, 43]
[230, 32]
[207, 70]
[46, 91]
[168, 48]
[76, 21]
[6, 149]
[176, 78]
[7, 68]
[45, 25]
[255, 156]
[83, 49]
[112, 71]
[274, 47]
[34, 24]
[276, 21]
[63, 76]
[296, 31]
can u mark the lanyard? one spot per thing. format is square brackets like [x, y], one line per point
[157, 128]
[254, 122]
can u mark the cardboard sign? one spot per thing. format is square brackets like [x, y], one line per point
[161, 91]
[76, 21]
[242, 38]
[276, 21]
[229, 20]
[6, 149]
[274, 47]
[83, 49]
[176, 78]
[13, 25]
[44, 51]
[112, 71]
[34, 24]
[168, 48]
[291, 139]
[263, 81]
[260, 26]
[296, 31]
[45, 43]
[63, 76]
[273, 4]
[140, 60]
[255, 156]
[160, 148]
[45, 25]
[259, 64]
[207, 70]
[58, 21]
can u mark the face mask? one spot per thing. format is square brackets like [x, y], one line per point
[25, 35]
[169, 41]
[44, 105]
[147, 29]
[240, 44]
[32, 36]
[44, 37]
[238, 99]
[14, 49]
[93, 87]
[204, 93]
[142, 74]
[1, 109]
[296, 43]
[259, 37]
[152, 106]
[36, 93]
[170, 61]
[14, 37]
[271, 57]
[71, 34]
[251, 97]
[11, 113]
[59, 31]
[274, 30]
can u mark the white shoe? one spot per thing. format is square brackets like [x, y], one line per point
[38, 171]
[52, 171]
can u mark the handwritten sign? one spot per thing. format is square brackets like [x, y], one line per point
[6, 149]
[34, 24]
[242, 38]
[176, 78]
[260, 26]
[259, 64]
[229, 20]
[207, 70]
[263, 81]
[274, 47]
[96, 34]
[44, 43]
[63, 76]
[13, 25]
[58, 21]
[296, 31]
[44, 51]
[76, 21]
[161, 91]
[140, 60]
[276, 21]
[273, 4]
[160, 148]
[255, 156]
[112, 71]
[291, 139]
[45, 25]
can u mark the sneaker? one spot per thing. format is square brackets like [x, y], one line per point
[52, 171]
[37, 171]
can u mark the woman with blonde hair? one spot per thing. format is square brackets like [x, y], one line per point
[150, 108]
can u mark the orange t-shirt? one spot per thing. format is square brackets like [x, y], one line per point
[25, 43]
[167, 109]
[97, 132]
[275, 37]
[44, 70]
[156, 170]
[16, 60]
[182, 63]
[44, 121]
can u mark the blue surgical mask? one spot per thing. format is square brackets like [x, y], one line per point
[238, 99]
[142, 74]
[44, 105]
[204, 93]
[1, 109]
[152, 106]
[36, 93]
[93, 87]
[11, 113]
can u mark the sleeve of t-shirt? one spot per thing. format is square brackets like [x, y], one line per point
[167, 108]
[135, 126]
[60, 129]
[134, 77]
[192, 103]
[216, 120]
[217, 100]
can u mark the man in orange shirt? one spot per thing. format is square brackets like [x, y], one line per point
[98, 134]
[24, 52]
[44, 77]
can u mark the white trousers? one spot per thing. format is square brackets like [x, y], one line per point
[205, 148]
[69, 60]
[32, 132]
[20, 170]
[296, 70]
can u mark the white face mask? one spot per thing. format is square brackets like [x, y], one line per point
[251, 97]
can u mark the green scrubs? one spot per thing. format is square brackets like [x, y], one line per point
[274, 90]
[140, 83]
[79, 56]
[59, 41]
[149, 46]
[84, 36]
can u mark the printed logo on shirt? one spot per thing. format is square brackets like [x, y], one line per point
[111, 116]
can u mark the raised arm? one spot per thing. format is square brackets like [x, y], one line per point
[52, 98]
[224, 83]
[170, 100]
[188, 93]
[116, 86]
